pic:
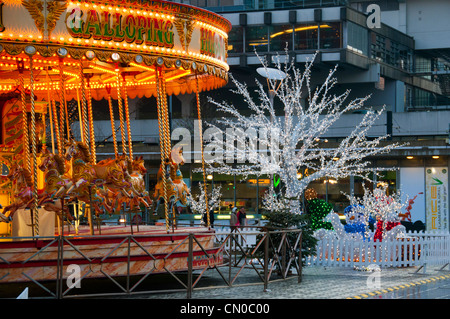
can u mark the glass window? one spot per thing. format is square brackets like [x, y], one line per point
[281, 37]
[388, 179]
[256, 39]
[236, 40]
[335, 189]
[360, 184]
[306, 37]
[330, 35]
[320, 187]
[358, 38]
[246, 195]
[331, 190]
[226, 183]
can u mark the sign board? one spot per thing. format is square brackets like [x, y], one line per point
[436, 198]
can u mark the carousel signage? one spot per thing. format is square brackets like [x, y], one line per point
[116, 26]
[143, 27]
[154, 27]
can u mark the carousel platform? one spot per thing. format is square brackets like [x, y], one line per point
[112, 251]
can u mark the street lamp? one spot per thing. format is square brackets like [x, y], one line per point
[272, 74]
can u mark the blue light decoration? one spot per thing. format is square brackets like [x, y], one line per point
[356, 221]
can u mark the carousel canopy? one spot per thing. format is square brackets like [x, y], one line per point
[105, 40]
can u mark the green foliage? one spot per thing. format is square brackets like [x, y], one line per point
[284, 219]
[317, 209]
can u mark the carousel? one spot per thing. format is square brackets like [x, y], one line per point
[55, 54]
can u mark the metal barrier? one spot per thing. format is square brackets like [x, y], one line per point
[273, 251]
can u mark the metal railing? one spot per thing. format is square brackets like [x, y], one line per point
[270, 255]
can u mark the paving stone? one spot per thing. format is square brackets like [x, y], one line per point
[317, 283]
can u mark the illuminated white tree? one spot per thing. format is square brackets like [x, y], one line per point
[268, 144]
[197, 203]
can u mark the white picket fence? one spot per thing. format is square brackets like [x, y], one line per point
[242, 237]
[416, 249]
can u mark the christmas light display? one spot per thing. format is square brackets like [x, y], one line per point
[318, 209]
[197, 203]
[376, 206]
[287, 144]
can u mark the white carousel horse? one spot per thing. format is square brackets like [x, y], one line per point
[177, 190]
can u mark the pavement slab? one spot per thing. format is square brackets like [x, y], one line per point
[319, 283]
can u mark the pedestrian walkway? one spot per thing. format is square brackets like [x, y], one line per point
[325, 283]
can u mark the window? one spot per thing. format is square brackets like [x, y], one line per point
[281, 37]
[236, 40]
[330, 35]
[306, 37]
[388, 179]
[357, 38]
[256, 38]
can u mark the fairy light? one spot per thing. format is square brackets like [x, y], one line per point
[103, 69]
[178, 76]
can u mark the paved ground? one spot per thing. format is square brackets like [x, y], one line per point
[322, 283]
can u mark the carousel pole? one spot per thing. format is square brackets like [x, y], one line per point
[113, 125]
[79, 116]
[166, 126]
[86, 140]
[85, 132]
[50, 113]
[162, 142]
[119, 100]
[91, 124]
[26, 143]
[127, 117]
[58, 133]
[33, 149]
[63, 102]
[197, 94]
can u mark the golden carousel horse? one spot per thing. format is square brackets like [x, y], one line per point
[94, 180]
[57, 183]
[135, 193]
[23, 193]
[177, 190]
[138, 171]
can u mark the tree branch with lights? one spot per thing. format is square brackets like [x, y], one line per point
[264, 143]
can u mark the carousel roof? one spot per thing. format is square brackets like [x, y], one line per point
[107, 42]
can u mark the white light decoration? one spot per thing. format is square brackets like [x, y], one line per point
[287, 144]
[198, 203]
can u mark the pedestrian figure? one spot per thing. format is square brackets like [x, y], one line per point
[242, 217]
[234, 222]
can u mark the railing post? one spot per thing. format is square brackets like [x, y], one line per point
[266, 261]
[59, 267]
[230, 238]
[283, 254]
[300, 262]
[190, 265]
[128, 262]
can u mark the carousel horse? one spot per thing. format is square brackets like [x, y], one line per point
[91, 179]
[107, 173]
[57, 184]
[138, 171]
[177, 190]
[23, 193]
[134, 173]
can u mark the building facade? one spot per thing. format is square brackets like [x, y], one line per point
[403, 62]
